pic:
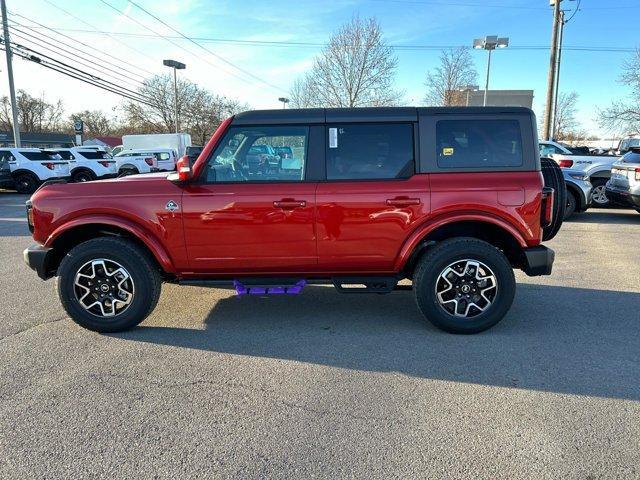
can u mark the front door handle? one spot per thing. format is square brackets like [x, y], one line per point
[289, 204]
[403, 202]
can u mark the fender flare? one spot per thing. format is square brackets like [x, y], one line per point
[425, 229]
[128, 166]
[140, 233]
[20, 171]
[600, 174]
[82, 169]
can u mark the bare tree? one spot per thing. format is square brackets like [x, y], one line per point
[199, 110]
[625, 115]
[455, 72]
[356, 69]
[96, 122]
[566, 124]
[34, 114]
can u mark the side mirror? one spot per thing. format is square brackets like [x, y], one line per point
[183, 170]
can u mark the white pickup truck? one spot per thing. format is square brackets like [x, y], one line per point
[596, 167]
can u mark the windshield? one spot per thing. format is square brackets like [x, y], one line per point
[631, 157]
[63, 154]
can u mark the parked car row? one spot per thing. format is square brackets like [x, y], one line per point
[25, 169]
[598, 180]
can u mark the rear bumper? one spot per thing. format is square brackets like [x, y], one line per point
[623, 197]
[538, 261]
[37, 258]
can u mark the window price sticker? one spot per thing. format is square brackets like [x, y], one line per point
[333, 138]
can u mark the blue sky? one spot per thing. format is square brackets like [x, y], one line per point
[593, 75]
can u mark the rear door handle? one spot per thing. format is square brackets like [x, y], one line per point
[289, 204]
[403, 202]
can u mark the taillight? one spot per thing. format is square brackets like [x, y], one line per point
[49, 165]
[565, 163]
[149, 161]
[637, 174]
[105, 164]
[548, 197]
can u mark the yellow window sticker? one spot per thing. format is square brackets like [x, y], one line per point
[447, 151]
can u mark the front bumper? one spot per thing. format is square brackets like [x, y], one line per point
[538, 261]
[624, 197]
[37, 258]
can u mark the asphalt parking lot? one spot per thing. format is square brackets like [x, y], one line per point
[328, 385]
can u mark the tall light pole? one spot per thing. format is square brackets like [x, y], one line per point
[12, 88]
[490, 43]
[284, 101]
[176, 66]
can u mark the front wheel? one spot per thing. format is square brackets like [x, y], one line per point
[108, 284]
[599, 193]
[464, 285]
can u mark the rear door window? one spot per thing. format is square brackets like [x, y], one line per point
[370, 151]
[478, 144]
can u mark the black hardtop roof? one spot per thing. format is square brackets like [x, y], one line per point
[365, 114]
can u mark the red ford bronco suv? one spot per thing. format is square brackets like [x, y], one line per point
[451, 198]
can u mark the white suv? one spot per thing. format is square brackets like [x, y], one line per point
[30, 167]
[130, 162]
[91, 163]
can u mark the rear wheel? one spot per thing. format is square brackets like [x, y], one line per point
[108, 284]
[125, 172]
[26, 183]
[599, 193]
[553, 178]
[83, 176]
[571, 204]
[464, 285]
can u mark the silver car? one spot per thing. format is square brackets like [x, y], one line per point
[624, 185]
[579, 190]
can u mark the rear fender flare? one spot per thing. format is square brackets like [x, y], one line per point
[419, 235]
[140, 233]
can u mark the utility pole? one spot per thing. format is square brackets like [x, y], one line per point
[557, 89]
[12, 88]
[552, 71]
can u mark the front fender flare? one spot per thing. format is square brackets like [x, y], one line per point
[136, 230]
[419, 234]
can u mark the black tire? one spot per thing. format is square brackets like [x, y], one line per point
[553, 178]
[125, 172]
[598, 196]
[137, 262]
[83, 176]
[26, 183]
[436, 259]
[572, 202]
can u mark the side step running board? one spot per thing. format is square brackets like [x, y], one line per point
[365, 284]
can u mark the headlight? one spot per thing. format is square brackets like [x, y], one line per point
[579, 176]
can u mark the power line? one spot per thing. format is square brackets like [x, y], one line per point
[73, 56]
[246, 72]
[39, 61]
[409, 47]
[75, 69]
[94, 28]
[78, 42]
[172, 42]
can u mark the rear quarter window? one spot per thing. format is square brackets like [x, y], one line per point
[478, 144]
